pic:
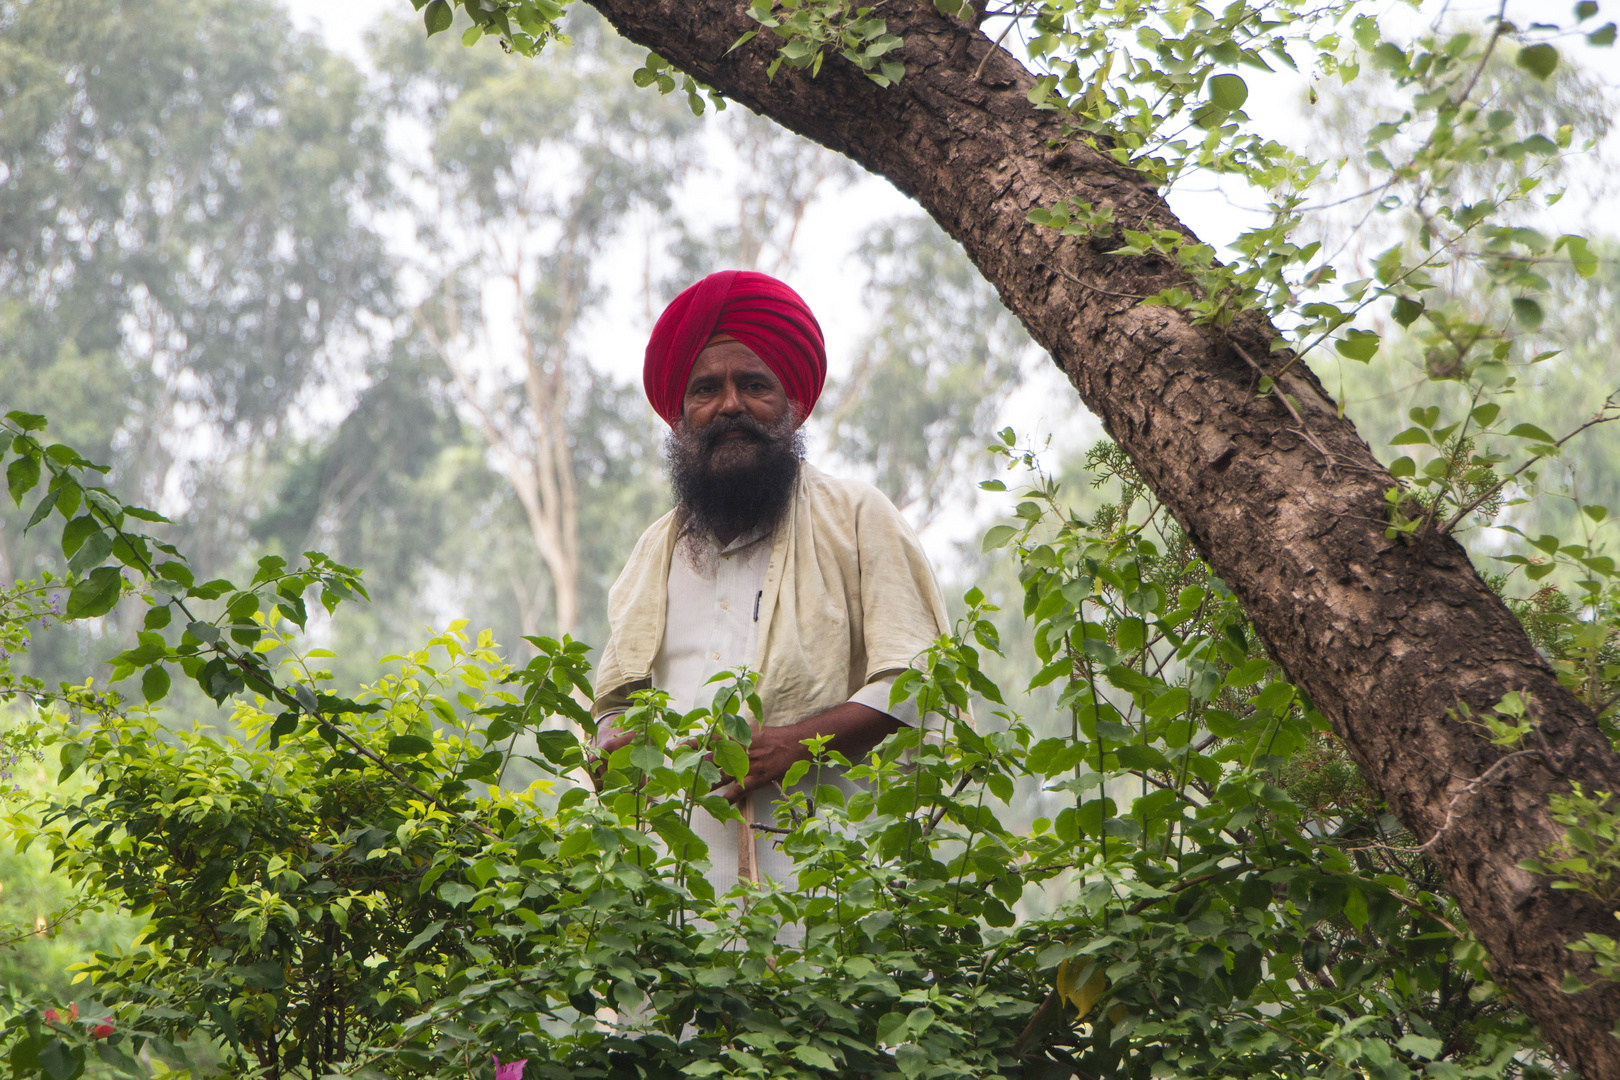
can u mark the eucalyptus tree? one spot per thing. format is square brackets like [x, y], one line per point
[778, 177]
[1051, 173]
[528, 174]
[931, 376]
[182, 240]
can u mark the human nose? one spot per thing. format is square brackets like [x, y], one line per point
[731, 400]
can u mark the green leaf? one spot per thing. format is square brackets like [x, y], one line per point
[1173, 702]
[60, 1061]
[1585, 10]
[1407, 310]
[46, 505]
[1539, 60]
[72, 756]
[816, 1059]
[95, 595]
[1355, 908]
[26, 420]
[21, 476]
[438, 17]
[410, 745]
[1136, 756]
[1602, 37]
[1526, 312]
[92, 553]
[731, 758]
[998, 537]
[455, 893]
[911, 1059]
[155, 683]
[1412, 436]
[646, 757]
[471, 35]
[1228, 92]
[1057, 669]
[1090, 816]
[1580, 254]
[1530, 431]
[1418, 1045]
[1359, 345]
[428, 933]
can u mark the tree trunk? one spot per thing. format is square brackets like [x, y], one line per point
[1386, 636]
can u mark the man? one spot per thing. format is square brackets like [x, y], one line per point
[815, 583]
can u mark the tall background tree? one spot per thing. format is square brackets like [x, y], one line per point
[185, 246]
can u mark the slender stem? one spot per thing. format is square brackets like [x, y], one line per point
[1011, 22]
[1500, 484]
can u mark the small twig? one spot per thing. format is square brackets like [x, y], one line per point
[757, 827]
[1012, 22]
[1468, 789]
[1330, 460]
[1451, 522]
[1490, 47]
[1599, 710]
[1094, 288]
[1282, 397]
[939, 812]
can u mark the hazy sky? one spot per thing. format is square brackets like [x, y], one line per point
[832, 282]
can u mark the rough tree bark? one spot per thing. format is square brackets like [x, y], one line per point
[1386, 636]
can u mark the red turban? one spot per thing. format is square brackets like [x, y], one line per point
[757, 310]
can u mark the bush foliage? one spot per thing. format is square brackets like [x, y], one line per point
[346, 887]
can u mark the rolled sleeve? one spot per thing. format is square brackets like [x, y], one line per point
[875, 695]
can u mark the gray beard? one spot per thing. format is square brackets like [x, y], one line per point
[738, 486]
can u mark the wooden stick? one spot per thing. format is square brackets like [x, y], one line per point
[747, 864]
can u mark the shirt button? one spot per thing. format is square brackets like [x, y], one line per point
[725, 605]
[717, 656]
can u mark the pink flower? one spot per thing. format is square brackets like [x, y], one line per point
[512, 1070]
[50, 1014]
[104, 1029]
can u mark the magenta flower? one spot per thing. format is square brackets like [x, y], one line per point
[512, 1070]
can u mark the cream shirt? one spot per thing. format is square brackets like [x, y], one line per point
[712, 623]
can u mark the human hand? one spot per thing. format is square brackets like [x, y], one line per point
[598, 765]
[773, 751]
[854, 729]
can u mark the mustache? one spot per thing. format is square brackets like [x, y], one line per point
[722, 426]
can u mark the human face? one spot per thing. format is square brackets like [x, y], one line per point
[730, 380]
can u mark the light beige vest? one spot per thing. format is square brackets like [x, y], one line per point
[849, 596]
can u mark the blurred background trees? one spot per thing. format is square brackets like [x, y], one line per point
[297, 304]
